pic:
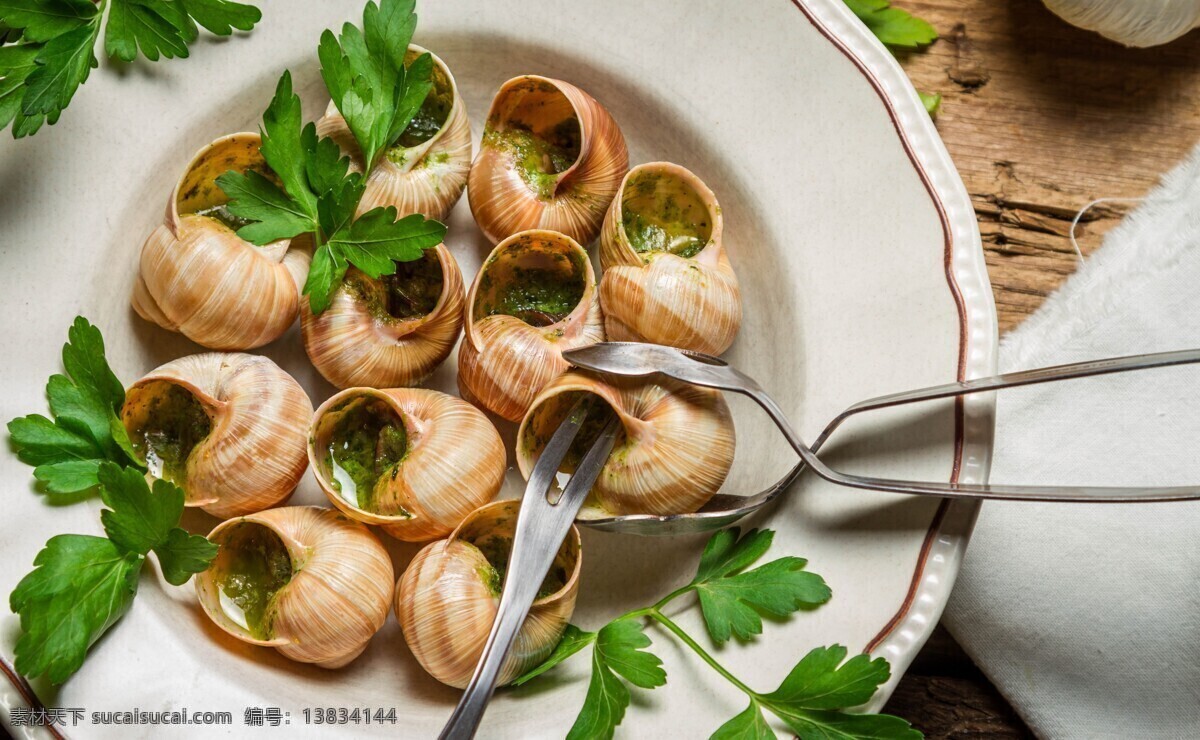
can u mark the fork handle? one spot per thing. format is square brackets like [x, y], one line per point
[1079, 494]
[541, 528]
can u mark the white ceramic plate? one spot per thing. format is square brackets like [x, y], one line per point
[862, 274]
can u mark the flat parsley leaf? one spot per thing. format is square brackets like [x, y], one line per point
[573, 640]
[86, 431]
[375, 241]
[221, 16]
[51, 46]
[618, 650]
[894, 27]
[320, 196]
[821, 684]
[42, 20]
[155, 27]
[732, 600]
[749, 725]
[183, 555]
[366, 77]
[253, 196]
[621, 644]
[80, 586]
[143, 519]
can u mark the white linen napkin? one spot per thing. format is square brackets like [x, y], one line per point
[1087, 617]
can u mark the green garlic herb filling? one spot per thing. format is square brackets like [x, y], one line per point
[432, 114]
[368, 441]
[167, 424]
[252, 566]
[497, 548]
[412, 292]
[662, 213]
[539, 157]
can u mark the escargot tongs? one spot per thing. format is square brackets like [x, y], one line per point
[637, 359]
[541, 526]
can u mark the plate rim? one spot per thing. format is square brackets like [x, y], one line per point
[949, 531]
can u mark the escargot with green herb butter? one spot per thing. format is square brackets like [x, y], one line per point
[307, 581]
[228, 428]
[534, 298]
[673, 452]
[448, 597]
[414, 462]
[551, 158]
[388, 332]
[425, 170]
[196, 276]
[666, 275]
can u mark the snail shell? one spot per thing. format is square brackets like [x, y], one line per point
[551, 158]
[430, 459]
[667, 277]
[1131, 22]
[198, 277]
[447, 599]
[229, 428]
[511, 349]
[426, 170]
[674, 452]
[390, 332]
[304, 580]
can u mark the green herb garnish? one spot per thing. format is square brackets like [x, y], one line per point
[81, 584]
[49, 48]
[378, 96]
[86, 430]
[899, 31]
[732, 600]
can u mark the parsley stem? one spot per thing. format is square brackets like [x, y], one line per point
[684, 637]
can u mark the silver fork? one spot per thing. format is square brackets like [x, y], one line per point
[541, 527]
[636, 360]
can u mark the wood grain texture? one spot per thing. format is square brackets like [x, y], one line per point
[1040, 118]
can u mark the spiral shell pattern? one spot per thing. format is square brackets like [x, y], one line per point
[675, 451]
[338, 595]
[658, 297]
[454, 462]
[196, 276]
[256, 450]
[503, 361]
[354, 342]
[502, 199]
[446, 605]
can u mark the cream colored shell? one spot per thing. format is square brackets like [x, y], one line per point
[196, 276]
[675, 451]
[350, 345]
[455, 463]
[430, 177]
[339, 594]
[503, 203]
[1131, 22]
[256, 451]
[446, 606]
[504, 362]
[692, 303]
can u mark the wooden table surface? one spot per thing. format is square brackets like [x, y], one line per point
[1040, 118]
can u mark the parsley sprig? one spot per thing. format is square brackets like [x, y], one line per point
[81, 585]
[899, 31]
[317, 193]
[733, 598]
[86, 431]
[48, 50]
